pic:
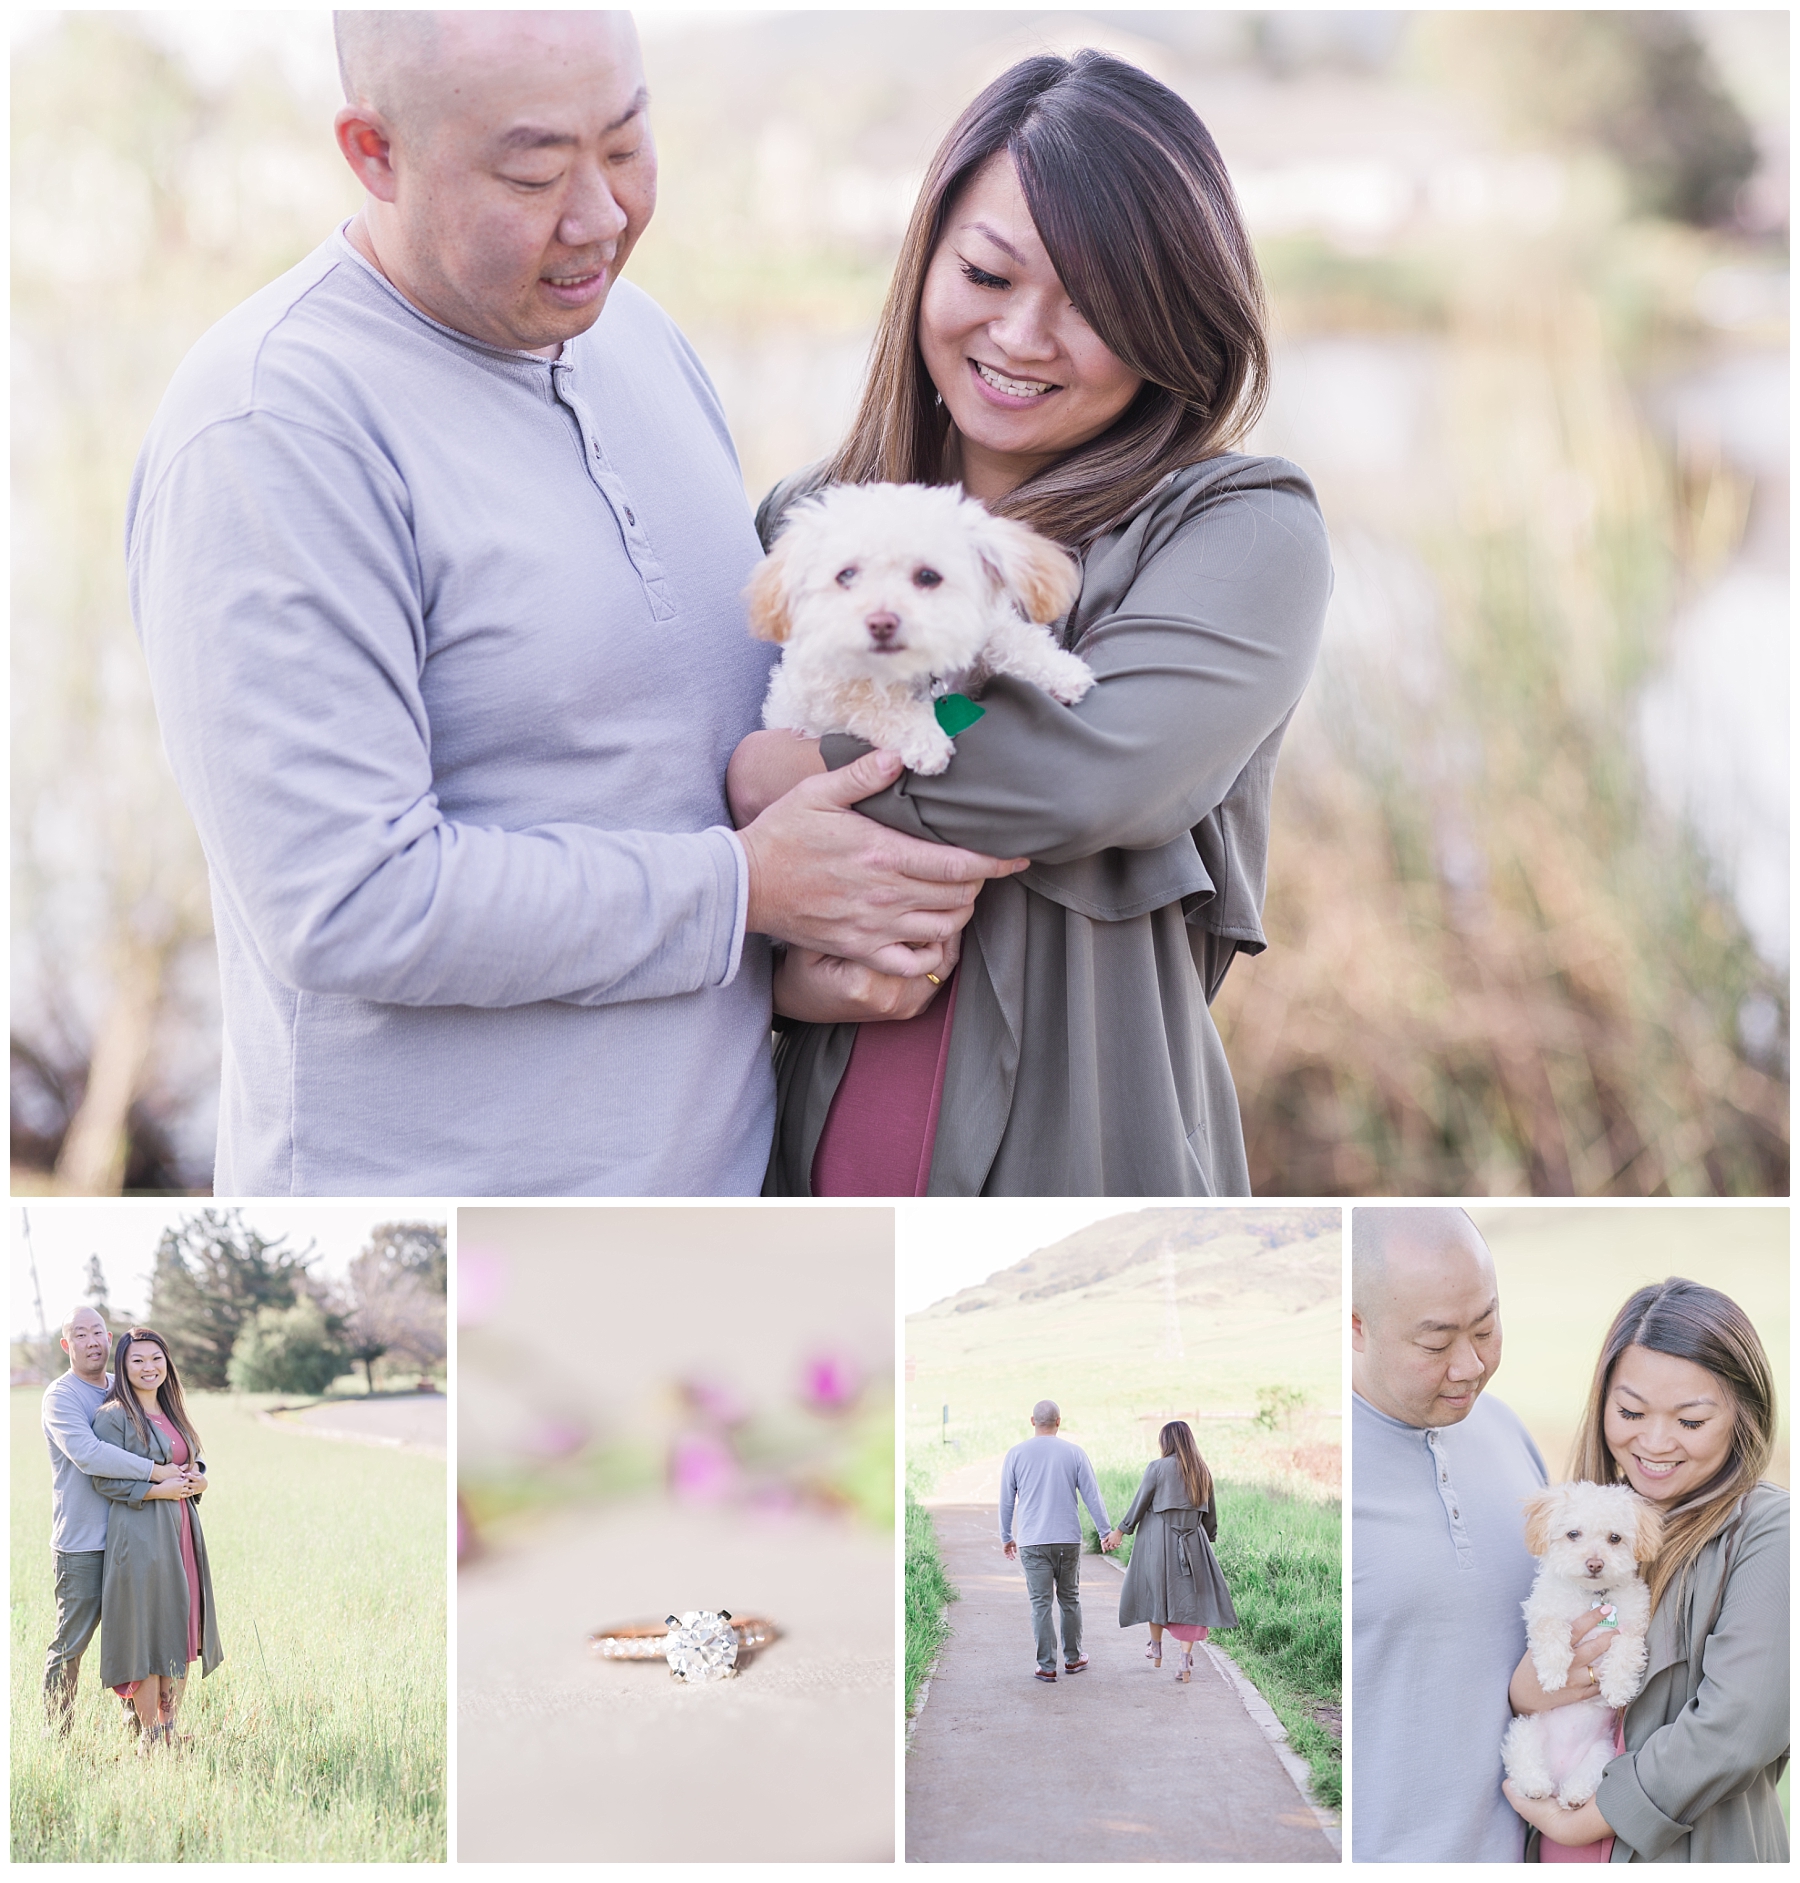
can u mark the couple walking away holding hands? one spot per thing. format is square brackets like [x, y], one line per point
[1172, 1582]
[129, 1554]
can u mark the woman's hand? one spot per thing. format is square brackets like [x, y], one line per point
[767, 766]
[825, 988]
[1589, 1641]
[1112, 1538]
[1583, 1825]
[175, 1488]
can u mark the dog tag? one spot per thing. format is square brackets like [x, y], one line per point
[956, 712]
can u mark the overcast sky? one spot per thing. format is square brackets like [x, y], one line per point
[124, 1236]
[945, 1247]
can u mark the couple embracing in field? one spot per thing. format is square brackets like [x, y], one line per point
[1677, 1430]
[1172, 1583]
[128, 1552]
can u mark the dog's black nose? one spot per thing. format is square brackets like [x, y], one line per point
[882, 628]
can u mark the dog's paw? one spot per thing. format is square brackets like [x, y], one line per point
[926, 752]
[1553, 1676]
[1070, 679]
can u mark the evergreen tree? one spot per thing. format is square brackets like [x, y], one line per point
[288, 1350]
[213, 1272]
[96, 1291]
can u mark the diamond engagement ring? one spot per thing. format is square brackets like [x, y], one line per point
[702, 1644]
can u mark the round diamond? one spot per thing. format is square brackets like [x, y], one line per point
[701, 1646]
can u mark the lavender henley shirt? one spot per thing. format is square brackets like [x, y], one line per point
[449, 656]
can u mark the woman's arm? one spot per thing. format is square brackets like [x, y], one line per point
[1142, 1499]
[1586, 1824]
[767, 766]
[1737, 1722]
[1202, 659]
[1589, 1641]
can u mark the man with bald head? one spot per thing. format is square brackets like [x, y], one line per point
[1041, 1527]
[78, 1512]
[1438, 1474]
[437, 547]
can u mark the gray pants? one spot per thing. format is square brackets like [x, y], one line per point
[78, 1575]
[1054, 1568]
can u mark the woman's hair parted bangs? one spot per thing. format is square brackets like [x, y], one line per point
[1137, 214]
[1688, 1321]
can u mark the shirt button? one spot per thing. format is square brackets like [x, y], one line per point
[631, 519]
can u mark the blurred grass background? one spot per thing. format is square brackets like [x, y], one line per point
[1564, 1274]
[1528, 894]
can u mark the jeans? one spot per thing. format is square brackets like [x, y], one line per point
[77, 1616]
[1054, 1567]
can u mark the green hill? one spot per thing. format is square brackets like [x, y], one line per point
[1150, 1315]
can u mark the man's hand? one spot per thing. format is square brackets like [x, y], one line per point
[825, 879]
[825, 988]
[175, 1488]
[1010, 1552]
[1583, 1825]
[1111, 1539]
[160, 1474]
[767, 766]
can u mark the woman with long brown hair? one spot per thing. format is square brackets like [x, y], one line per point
[1075, 334]
[1173, 1581]
[1682, 1408]
[156, 1600]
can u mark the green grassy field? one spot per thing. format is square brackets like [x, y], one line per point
[321, 1735]
[1108, 1354]
[928, 1593]
[1282, 1558]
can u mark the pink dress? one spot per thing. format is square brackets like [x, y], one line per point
[882, 1125]
[178, 1453]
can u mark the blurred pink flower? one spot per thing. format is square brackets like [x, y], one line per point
[831, 1382]
[701, 1468]
[480, 1284]
[552, 1437]
[716, 1401]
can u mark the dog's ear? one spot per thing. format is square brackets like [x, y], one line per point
[767, 597]
[1040, 577]
[1538, 1511]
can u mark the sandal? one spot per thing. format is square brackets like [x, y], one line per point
[1153, 1654]
[1185, 1672]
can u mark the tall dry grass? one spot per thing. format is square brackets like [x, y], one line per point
[1494, 969]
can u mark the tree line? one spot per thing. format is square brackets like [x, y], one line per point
[243, 1310]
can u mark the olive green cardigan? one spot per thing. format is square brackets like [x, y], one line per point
[1083, 1060]
[1707, 1739]
[144, 1593]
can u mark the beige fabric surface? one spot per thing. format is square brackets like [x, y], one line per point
[564, 1757]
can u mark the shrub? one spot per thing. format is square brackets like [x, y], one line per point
[288, 1350]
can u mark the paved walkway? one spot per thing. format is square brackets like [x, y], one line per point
[1119, 1763]
[414, 1421]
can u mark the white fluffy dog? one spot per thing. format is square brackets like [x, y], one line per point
[1592, 1539]
[885, 597]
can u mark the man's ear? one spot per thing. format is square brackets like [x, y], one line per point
[767, 597]
[1357, 1339]
[368, 149]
